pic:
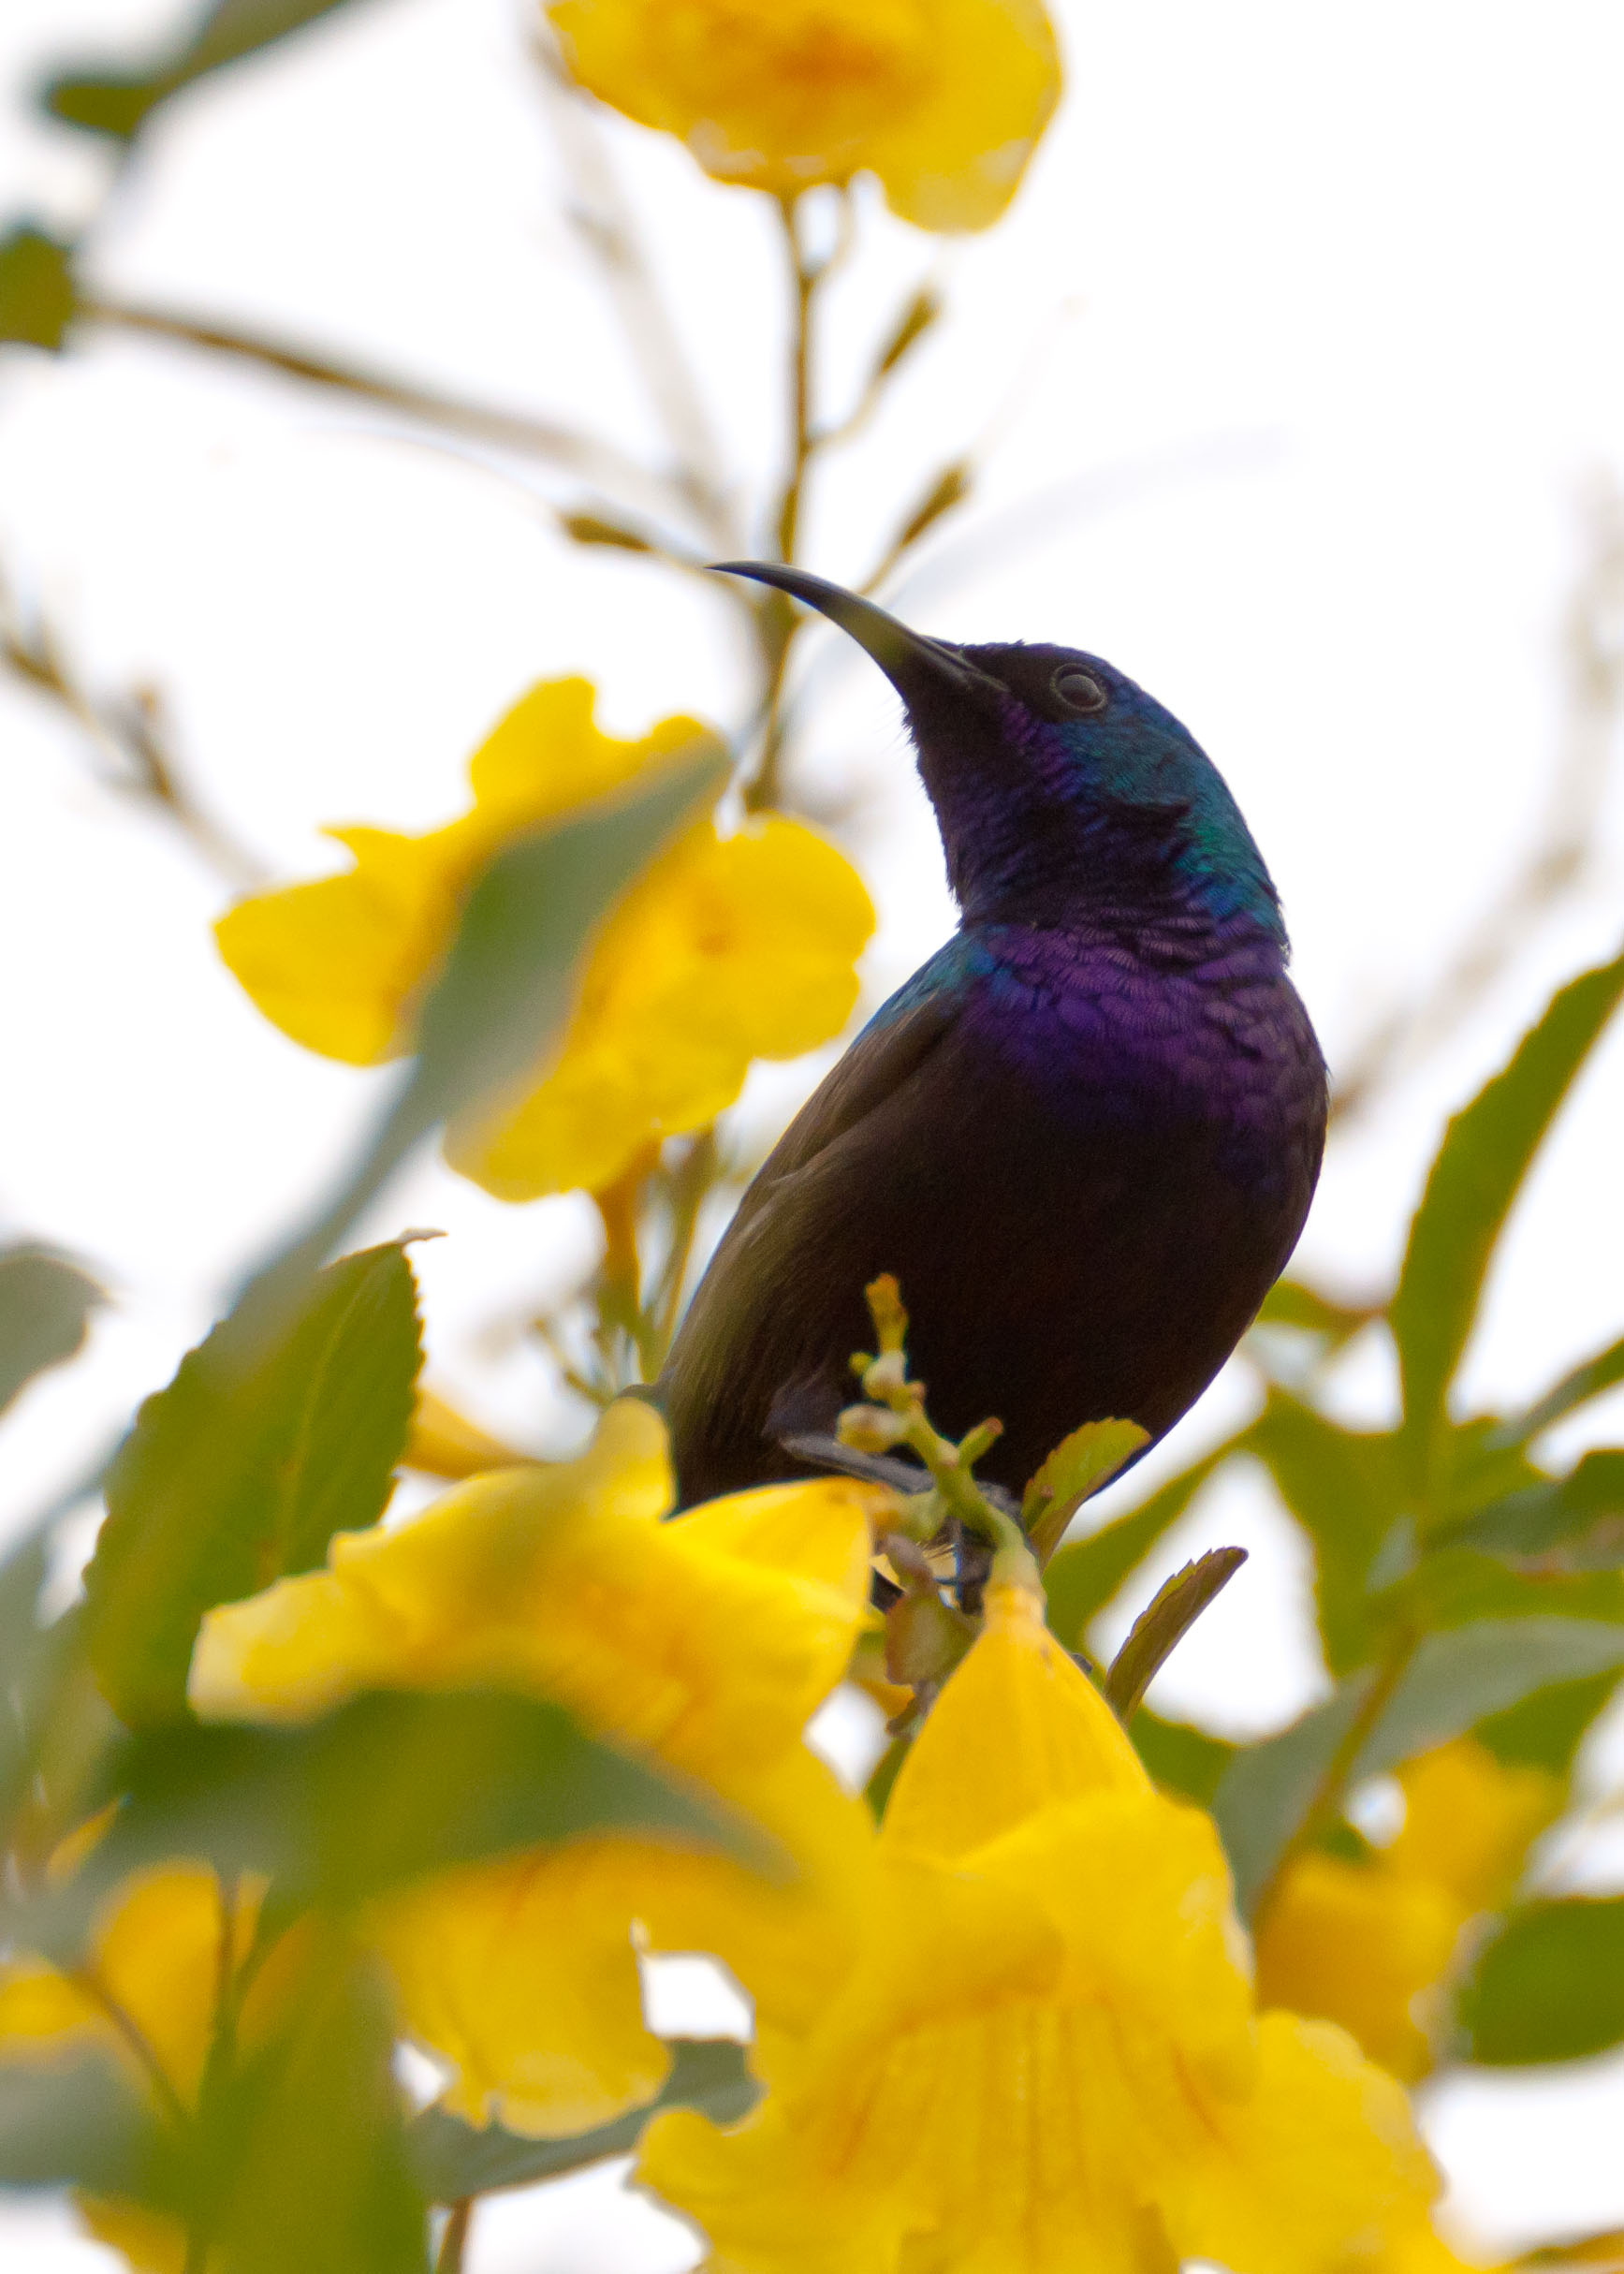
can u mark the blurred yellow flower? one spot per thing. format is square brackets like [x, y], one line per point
[725, 949]
[943, 100]
[1371, 1944]
[1045, 2056]
[145, 1996]
[706, 1641]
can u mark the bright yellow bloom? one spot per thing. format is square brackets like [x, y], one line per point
[943, 100]
[707, 1642]
[725, 949]
[1045, 2057]
[1373, 1944]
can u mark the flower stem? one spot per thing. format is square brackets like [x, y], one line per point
[454, 2241]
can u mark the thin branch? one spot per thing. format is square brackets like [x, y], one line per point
[605, 220]
[454, 2241]
[132, 741]
[599, 462]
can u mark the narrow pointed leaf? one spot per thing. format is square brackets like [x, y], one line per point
[116, 101]
[1164, 1624]
[1341, 1486]
[1475, 1178]
[1582, 1382]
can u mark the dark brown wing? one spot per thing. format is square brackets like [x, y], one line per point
[758, 1316]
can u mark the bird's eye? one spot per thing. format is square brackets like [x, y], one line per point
[1079, 690]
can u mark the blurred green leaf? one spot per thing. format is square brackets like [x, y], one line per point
[1181, 1759]
[1078, 1466]
[116, 101]
[36, 296]
[1549, 1986]
[45, 1307]
[31, 1661]
[1455, 1586]
[1266, 1792]
[1460, 1677]
[303, 2158]
[1583, 1510]
[1454, 1680]
[390, 1785]
[1289, 1303]
[505, 989]
[453, 2160]
[1544, 1731]
[1343, 1488]
[1474, 1178]
[274, 1433]
[1082, 1576]
[80, 2122]
[1576, 1387]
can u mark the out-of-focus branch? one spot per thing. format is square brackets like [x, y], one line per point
[1561, 849]
[604, 218]
[599, 462]
[131, 743]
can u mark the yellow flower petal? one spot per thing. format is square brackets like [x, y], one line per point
[1043, 2057]
[1019, 1725]
[524, 1975]
[1470, 1820]
[683, 1637]
[445, 1442]
[147, 2241]
[943, 100]
[1363, 1945]
[727, 949]
[1320, 2168]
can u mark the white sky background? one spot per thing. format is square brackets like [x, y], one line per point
[1319, 328]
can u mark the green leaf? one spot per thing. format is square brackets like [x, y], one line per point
[1290, 1303]
[1164, 1624]
[36, 296]
[1549, 1986]
[275, 1432]
[1576, 1387]
[1583, 1510]
[454, 2161]
[79, 2123]
[1265, 1794]
[1454, 1586]
[1474, 1178]
[117, 101]
[45, 1307]
[1458, 1678]
[1082, 1576]
[303, 2160]
[391, 1785]
[1342, 1487]
[33, 1659]
[1544, 1731]
[1182, 1759]
[1078, 1466]
[508, 982]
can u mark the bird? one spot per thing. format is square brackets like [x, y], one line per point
[1083, 1137]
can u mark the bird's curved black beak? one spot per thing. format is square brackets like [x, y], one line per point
[916, 666]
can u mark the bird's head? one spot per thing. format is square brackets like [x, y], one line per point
[1058, 784]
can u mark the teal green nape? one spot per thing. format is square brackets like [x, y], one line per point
[1082, 1137]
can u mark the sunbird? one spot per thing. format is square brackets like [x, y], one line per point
[1084, 1135]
